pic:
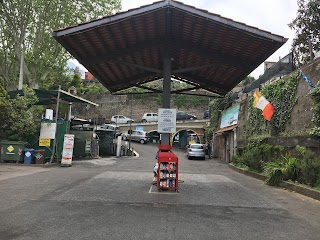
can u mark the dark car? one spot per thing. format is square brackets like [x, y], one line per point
[185, 116]
[206, 114]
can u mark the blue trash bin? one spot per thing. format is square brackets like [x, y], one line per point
[28, 155]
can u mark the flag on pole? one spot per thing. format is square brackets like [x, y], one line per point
[262, 103]
[306, 79]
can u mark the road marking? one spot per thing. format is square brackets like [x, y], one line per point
[153, 189]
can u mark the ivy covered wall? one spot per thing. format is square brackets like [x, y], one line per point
[293, 103]
[282, 95]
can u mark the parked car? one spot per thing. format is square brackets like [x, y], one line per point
[110, 127]
[196, 150]
[150, 117]
[185, 116]
[206, 114]
[136, 135]
[120, 119]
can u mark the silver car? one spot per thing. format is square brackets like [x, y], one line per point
[136, 135]
[196, 150]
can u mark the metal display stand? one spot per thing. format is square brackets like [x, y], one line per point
[168, 169]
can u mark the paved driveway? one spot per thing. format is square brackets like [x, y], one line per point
[114, 198]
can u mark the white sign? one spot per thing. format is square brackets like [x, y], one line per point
[68, 141]
[67, 156]
[88, 146]
[167, 120]
[67, 151]
[48, 130]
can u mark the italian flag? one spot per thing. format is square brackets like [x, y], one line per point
[262, 103]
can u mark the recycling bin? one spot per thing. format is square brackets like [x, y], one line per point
[38, 156]
[28, 155]
[12, 151]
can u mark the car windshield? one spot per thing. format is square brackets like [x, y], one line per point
[196, 146]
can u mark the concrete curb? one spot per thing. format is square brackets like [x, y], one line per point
[248, 173]
[283, 184]
[31, 165]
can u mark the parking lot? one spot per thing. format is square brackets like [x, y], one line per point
[114, 198]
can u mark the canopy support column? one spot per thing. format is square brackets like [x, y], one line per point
[167, 70]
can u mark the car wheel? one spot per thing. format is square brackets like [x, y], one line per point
[189, 157]
[144, 121]
[113, 122]
[142, 141]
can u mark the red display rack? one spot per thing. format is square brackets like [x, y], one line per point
[167, 169]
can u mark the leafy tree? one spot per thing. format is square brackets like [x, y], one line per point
[94, 88]
[76, 81]
[18, 114]
[25, 30]
[249, 79]
[306, 25]
[4, 108]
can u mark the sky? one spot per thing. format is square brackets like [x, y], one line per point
[269, 15]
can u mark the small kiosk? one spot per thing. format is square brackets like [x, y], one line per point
[167, 169]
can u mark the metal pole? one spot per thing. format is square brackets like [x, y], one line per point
[69, 117]
[165, 138]
[56, 121]
[130, 121]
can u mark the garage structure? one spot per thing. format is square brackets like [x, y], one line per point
[168, 40]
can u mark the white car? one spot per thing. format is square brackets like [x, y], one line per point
[196, 150]
[150, 117]
[120, 119]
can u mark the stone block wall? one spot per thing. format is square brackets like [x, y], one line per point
[301, 117]
[110, 105]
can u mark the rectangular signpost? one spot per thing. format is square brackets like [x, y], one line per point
[67, 151]
[167, 120]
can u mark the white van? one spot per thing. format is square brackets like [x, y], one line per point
[150, 117]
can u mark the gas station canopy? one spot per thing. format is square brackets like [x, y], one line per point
[206, 50]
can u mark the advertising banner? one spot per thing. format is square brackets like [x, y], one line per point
[67, 151]
[229, 117]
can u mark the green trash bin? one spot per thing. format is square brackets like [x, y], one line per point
[12, 151]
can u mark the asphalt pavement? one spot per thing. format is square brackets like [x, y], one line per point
[114, 198]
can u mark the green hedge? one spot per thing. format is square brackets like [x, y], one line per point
[279, 163]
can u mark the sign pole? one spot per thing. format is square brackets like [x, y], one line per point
[56, 120]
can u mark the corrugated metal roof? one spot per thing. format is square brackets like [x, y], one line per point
[207, 50]
[225, 129]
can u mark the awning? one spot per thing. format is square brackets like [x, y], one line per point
[225, 129]
[206, 50]
[48, 97]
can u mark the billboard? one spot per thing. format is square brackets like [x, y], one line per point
[229, 116]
